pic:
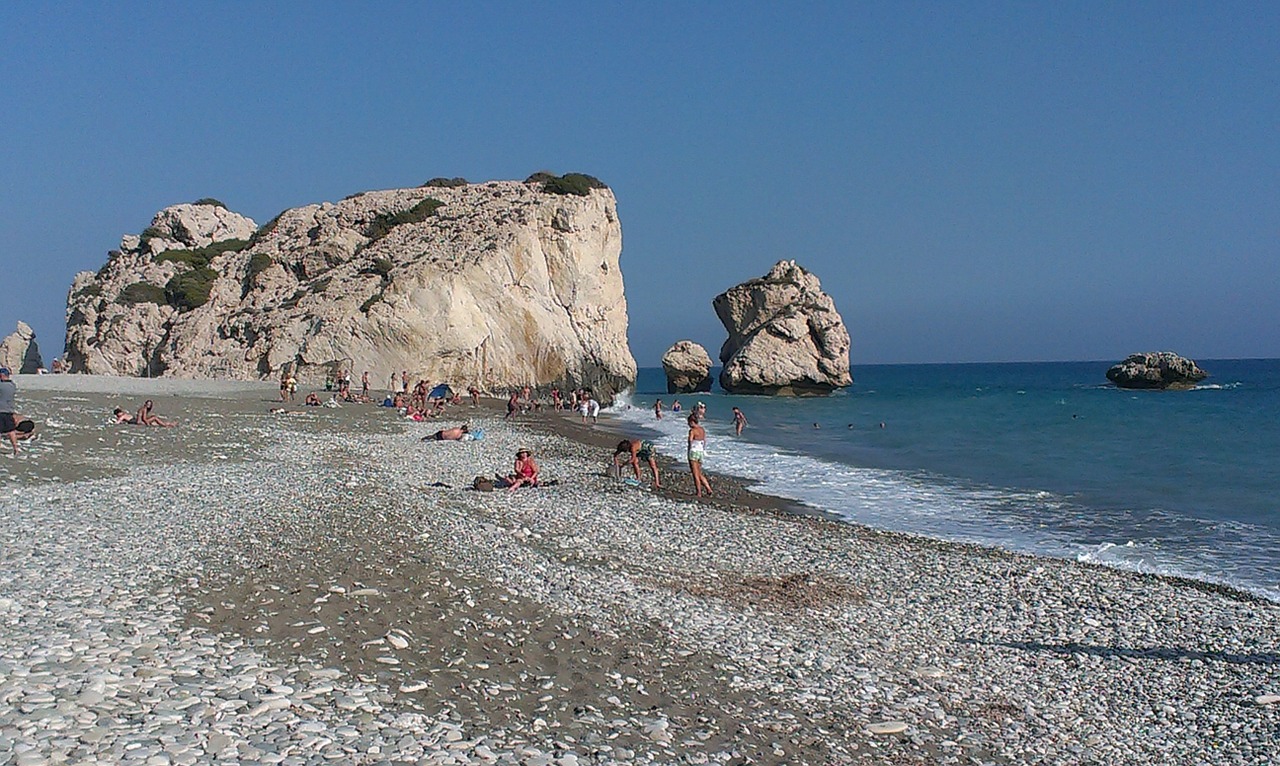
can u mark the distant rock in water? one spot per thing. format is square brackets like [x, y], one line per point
[1156, 370]
[496, 284]
[785, 336]
[19, 352]
[688, 368]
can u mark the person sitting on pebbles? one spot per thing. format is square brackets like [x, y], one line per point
[526, 470]
[636, 450]
[312, 400]
[146, 417]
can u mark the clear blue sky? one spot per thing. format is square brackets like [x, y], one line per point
[971, 181]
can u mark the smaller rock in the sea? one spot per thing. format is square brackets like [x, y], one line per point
[688, 368]
[887, 727]
[1156, 370]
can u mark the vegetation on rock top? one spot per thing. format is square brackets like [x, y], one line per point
[210, 201]
[445, 183]
[383, 223]
[201, 256]
[577, 184]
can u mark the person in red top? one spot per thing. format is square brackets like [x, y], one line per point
[526, 470]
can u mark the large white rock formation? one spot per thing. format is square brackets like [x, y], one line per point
[496, 284]
[785, 336]
[688, 368]
[19, 352]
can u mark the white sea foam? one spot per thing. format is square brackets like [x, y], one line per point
[1029, 521]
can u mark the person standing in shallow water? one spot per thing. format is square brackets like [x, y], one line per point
[657, 409]
[697, 451]
[739, 421]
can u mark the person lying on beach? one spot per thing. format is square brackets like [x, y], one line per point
[636, 450]
[526, 471]
[450, 434]
[123, 418]
[146, 417]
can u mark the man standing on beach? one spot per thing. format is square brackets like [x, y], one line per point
[9, 422]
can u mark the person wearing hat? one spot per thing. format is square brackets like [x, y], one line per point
[13, 426]
[526, 470]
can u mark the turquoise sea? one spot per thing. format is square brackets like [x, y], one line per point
[1044, 458]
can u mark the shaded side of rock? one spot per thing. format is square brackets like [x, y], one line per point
[688, 368]
[1156, 370]
[19, 351]
[785, 336]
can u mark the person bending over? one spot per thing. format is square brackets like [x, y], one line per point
[636, 450]
[123, 418]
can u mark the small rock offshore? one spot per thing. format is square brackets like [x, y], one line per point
[322, 588]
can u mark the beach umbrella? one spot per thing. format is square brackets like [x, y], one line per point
[442, 391]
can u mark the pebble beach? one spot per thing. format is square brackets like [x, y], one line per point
[324, 587]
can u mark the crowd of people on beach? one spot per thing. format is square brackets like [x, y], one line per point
[421, 402]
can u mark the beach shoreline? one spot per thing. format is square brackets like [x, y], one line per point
[587, 622]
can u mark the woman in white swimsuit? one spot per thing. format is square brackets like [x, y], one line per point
[697, 450]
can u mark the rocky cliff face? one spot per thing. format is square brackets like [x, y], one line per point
[496, 284]
[1156, 370]
[785, 336]
[19, 352]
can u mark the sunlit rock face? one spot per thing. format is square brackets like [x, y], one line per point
[497, 284]
[785, 336]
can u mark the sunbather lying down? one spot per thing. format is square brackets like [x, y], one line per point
[449, 434]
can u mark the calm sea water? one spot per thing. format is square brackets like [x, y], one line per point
[1044, 458]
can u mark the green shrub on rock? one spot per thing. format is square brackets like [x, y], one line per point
[577, 184]
[210, 201]
[190, 289]
[142, 292]
[258, 263]
[201, 256]
[445, 183]
[383, 223]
